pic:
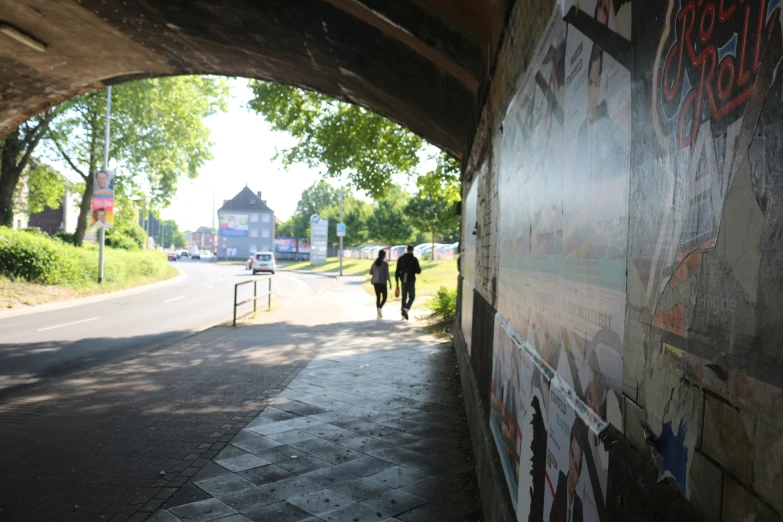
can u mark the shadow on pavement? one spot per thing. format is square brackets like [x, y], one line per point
[106, 434]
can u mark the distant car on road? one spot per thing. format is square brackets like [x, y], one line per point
[206, 254]
[172, 256]
[183, 253]
[195, 255]
[264, 262]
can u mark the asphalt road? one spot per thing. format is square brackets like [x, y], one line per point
[52, 343]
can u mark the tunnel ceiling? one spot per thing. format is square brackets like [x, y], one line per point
[422, 63]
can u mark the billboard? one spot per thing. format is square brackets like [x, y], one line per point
[234, 225]
[285, 244]
[103, 199]
[319, 233]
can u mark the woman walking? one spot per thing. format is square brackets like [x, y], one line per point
[380, 276]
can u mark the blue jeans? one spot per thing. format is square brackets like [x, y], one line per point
[408, 295]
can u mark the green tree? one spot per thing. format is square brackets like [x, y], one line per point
[432, 213]
[46, 188]
[388, 222]
[16, 152]
[157, 132]
[337, 137]
[356, 213]
[317, 197]
[296, 226]
[171, 235]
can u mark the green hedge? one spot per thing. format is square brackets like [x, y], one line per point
[40, 259]
[444, 304]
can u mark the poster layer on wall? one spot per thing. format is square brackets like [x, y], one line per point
[577, 465]
[518, 418]
[234, 225]
[565, 165]
[466, 314]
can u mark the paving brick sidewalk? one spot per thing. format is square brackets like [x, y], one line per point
[368, 431]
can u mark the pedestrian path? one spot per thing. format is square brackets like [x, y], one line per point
[372, 429]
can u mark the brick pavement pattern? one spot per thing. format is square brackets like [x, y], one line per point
[368, 431]
[116, 442]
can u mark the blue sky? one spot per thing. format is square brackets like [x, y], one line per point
[243, 153]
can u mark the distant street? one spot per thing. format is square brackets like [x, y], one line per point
[59, 342]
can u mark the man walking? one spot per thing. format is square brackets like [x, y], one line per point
[407, 269]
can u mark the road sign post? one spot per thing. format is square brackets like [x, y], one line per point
[341, 235]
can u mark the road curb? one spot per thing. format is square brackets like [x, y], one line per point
[69, 303]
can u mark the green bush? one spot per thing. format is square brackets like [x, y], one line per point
[444, 303]
[127, 237]
[40, 259]
[65, 237]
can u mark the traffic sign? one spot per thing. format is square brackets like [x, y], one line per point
[340, 229]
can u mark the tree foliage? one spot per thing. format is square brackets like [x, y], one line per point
[432, 213]
[337, 137]
[157, 136]
[315, 198]
[46, 188]
[388, 222]
[355, 215]
[16, 152]
[171, 235]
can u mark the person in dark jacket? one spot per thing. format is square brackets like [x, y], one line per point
[407, 270]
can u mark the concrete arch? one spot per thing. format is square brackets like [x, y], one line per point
[421, 63]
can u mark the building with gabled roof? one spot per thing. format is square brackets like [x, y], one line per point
[246, 225]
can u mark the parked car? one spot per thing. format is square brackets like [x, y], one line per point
[366, 252]
[264, 262]
[356, 253]
[172, 256]
[206, 254]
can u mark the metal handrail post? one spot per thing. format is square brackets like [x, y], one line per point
[269, 297]
[235, 304]
[255, 295]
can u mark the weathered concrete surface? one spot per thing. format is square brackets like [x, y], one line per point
[423, 64]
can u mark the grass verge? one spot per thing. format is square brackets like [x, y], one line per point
[37, 269]
[14, 294]
[434, 274]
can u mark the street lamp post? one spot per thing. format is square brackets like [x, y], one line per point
[341, 237]
[102, 232]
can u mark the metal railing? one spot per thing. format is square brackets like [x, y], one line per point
[256, 296]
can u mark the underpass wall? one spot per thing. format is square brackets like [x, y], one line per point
[619, 324]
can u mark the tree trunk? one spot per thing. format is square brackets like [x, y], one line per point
[9, 177]
[85, 211]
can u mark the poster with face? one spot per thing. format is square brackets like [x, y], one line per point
[102, 212]
[511, 382]
[595, 207]
[103, 184]
[518, 418]
[576, 465]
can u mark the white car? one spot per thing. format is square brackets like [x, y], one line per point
[264, 262]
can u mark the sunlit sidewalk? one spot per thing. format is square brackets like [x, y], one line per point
[371, 429]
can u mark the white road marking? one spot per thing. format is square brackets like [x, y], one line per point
[174, 299]
[68, 324]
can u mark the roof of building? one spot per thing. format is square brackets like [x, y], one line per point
[247, 201]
